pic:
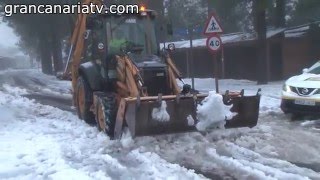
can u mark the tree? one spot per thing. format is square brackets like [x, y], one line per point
[228, 12]
[279, 17]
[41, 33]
[305, 11]
[186, 14]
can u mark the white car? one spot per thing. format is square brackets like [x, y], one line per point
[301, 94]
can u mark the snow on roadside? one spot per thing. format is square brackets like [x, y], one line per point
[217, 153]
[276, 168]
[42, 142]
[13, 90]
[33, 81]
[154, 165]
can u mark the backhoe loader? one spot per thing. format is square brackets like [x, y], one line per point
[120, 75]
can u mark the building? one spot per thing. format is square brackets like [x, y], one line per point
[288, 52]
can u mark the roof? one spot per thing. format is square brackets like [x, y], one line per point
[226, 38]
[292, 32]
[299, 31]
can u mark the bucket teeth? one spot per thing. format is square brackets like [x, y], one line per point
[259, 92]
[242, 93]
[159, 100]
[227, 100]
[178, 98]
[138, 101]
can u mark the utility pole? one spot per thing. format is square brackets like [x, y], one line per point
[259, 9]
[191, 60]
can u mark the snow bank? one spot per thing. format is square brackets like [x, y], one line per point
[160, 113]
[155, 166]
[266, 166]
[238, 170]
[33, 81]
[57, 145]
[14, 90]
[212, 112]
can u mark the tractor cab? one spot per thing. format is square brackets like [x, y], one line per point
[131, 35]
[134, 34]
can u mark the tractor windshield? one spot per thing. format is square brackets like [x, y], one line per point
[135, 34]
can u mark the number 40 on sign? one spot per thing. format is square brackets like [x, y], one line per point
[214, 43]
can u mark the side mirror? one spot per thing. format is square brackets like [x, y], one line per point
[171, 47]
[305, 70]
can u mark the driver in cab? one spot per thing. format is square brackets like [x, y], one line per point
[117, 42]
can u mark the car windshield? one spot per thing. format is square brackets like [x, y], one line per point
[133, 33]
[315, 69]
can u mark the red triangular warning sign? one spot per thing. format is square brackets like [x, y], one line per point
[212, 26]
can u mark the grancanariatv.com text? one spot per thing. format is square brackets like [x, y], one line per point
[11, 9]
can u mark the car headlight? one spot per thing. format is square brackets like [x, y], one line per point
[286, 88]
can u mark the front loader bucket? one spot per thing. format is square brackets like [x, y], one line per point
[247, 109]
[137, 114]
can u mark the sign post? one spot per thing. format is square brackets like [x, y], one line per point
[214, 43]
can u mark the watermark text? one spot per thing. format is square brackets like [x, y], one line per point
[11, 9]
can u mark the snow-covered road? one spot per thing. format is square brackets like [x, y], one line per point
[43, 142]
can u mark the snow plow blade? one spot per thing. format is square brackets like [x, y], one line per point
[137, 113]
[246, 107]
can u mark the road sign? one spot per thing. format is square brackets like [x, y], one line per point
[214, 43]
[212, 26]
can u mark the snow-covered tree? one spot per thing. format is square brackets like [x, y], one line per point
[304, 11]
[186, 14]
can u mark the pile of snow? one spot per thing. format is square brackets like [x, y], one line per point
[213, 112]
[160, 113]
[13, 90]
[126, 139]
[155, 166]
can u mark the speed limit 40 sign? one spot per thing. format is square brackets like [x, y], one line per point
[214, 43]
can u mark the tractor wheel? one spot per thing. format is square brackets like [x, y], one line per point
[84, 100]
[106, 113]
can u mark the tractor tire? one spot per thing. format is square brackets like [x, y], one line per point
[106, 113]
[84, 100]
